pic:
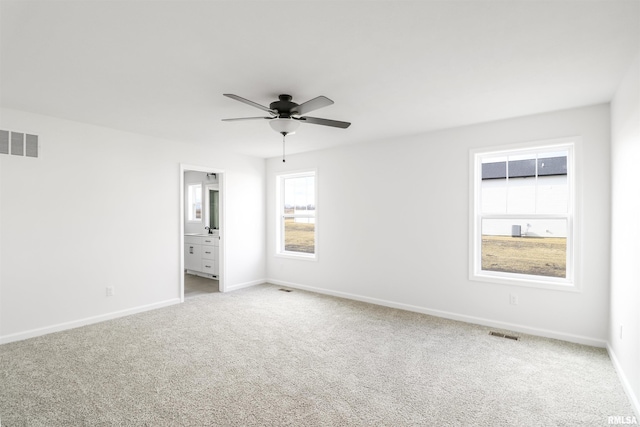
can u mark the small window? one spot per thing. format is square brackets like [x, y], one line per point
[194, 202]
[297, 215]
[522, 219]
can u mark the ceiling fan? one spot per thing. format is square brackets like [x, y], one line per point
[285, 115]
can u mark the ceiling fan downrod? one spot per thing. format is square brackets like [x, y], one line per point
[284, 135]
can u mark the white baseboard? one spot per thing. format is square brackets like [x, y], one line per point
[244, 285]
[626, 385]
[579, 339]
[19, 336]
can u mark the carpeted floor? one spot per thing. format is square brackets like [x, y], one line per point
[263, 357]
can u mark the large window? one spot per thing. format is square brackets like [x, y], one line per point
[523, 217]
[296, 227]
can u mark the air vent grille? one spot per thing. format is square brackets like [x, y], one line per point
[4, 142]
[31, 144]
[507, 336]
[18, 144]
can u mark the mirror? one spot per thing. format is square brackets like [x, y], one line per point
[214, 214]
[212, 206]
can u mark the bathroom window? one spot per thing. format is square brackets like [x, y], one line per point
[522, 215]
[194, 202]
[297, 215]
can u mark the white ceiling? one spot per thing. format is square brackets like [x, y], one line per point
[392, 67]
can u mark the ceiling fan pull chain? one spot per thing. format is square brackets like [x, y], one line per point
[284, 135]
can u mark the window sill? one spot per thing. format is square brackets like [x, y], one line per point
[525, 281]
[297, 255]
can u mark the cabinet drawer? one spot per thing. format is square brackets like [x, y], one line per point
[194, 240]
[209, 252]
[209, 266]
[211, 241]
[192, 250]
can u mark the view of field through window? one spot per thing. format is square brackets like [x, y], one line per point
[299, 237]
[298, 214]
[525, 255]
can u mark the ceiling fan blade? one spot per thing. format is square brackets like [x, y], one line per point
[246, 101]
[313, 104]
[325, 122]
[247, 118]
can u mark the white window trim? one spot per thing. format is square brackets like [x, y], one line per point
[572, 282]
[280, 252]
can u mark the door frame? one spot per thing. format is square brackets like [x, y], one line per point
[222, 198]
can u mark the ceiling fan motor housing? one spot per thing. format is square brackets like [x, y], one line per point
[283, 106]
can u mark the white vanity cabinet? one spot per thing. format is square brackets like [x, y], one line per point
[192, 253]
[202, 255]
[210, 254]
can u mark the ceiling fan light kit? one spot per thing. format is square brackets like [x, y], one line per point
[285, 115]
[284, 126]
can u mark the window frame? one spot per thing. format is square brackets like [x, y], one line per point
[571, 282]
[280, 215]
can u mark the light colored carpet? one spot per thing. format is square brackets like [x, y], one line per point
[263, 357]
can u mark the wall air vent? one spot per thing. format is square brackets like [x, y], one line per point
[4, 142]
[31, 144]
[18, 144]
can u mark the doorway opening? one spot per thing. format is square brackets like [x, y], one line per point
[202, 220]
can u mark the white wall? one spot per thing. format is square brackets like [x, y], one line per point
[625, 232]
[393, 227]
[100, 208]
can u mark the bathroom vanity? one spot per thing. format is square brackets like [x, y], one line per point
[202, 254]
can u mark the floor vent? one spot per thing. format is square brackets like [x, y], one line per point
[285, 290]
[501, 335]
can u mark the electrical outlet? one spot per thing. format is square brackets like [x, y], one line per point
[513, 299]
[109, 291]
